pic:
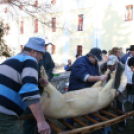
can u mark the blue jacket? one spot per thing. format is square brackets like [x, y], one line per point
[81, 67]
[124, 57]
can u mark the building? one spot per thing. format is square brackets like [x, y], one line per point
[73, 26]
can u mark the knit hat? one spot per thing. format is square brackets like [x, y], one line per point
[36, 44]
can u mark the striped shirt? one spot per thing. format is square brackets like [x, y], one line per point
[18, 84]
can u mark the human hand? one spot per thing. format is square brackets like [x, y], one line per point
[103, 77]
[117, 93]
[43, 81]
[43, 128]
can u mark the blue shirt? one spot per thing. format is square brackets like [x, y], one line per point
[82, 67]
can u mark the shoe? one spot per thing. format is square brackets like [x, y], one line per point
[121, 129]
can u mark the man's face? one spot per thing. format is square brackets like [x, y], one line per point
[132, 68]
[69, 61]
[112, 67]
[38, 55]
[132, 53]
[93, 60]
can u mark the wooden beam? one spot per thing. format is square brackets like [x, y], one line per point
[116, 110]
[26, 117]
[99, 125]
[66, 124]
[100, 117]
[107, 113]
[54, 127]
[79, 122]
[90, 119]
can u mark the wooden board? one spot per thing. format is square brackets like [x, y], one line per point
[105, 117]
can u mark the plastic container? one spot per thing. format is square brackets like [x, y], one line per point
[66, 87]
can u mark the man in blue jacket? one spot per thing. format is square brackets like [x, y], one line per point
[85, 70]
[130, 53]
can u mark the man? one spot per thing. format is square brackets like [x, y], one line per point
[19, 88]
[104, 55]
[130, 53]
[129, 74]
[48, 64]
[113, 64]
[85, 71]
[29, 126]
[68, 66]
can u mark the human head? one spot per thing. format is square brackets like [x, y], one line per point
[112, 61]
[109, 52]
[69, 61]
[35, 47]
[95, 55]
[77, 56]
[116, 51]
[131, 49]
[131, 63]
[104, 52]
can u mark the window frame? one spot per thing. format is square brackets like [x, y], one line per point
[128, 13]
[21, 27]
[78, 21]
[36, 25]
[81, 49]
[53, 26]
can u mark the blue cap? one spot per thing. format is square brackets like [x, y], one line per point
[36, 44]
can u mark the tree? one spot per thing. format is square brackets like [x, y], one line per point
[4, 51]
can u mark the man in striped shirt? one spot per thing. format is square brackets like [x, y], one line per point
[19, 88]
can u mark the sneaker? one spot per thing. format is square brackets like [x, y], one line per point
[121, 129]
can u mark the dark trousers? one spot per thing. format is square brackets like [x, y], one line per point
[119, 106]
[29, 126]
[9, 124]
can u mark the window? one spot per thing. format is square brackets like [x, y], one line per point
[21, 47]
[53, 2]
[21, 27]
[36, 26]
[21, 7]
[53, 24]
[80, 22]
[53, 49]
[6, 10]
[36, 3]
[79, 50]
[129, 13]
[7, 29]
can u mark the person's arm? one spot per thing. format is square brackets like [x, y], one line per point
[42, 125]
[30, 94]
[123, 83]
[97, 78]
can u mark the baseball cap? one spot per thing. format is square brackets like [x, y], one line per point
[112, 59]
[96, 53]
[36, 44]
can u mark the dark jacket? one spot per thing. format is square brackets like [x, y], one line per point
[48, 64]
[124, 57]
[81, 67]
[120, 69]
